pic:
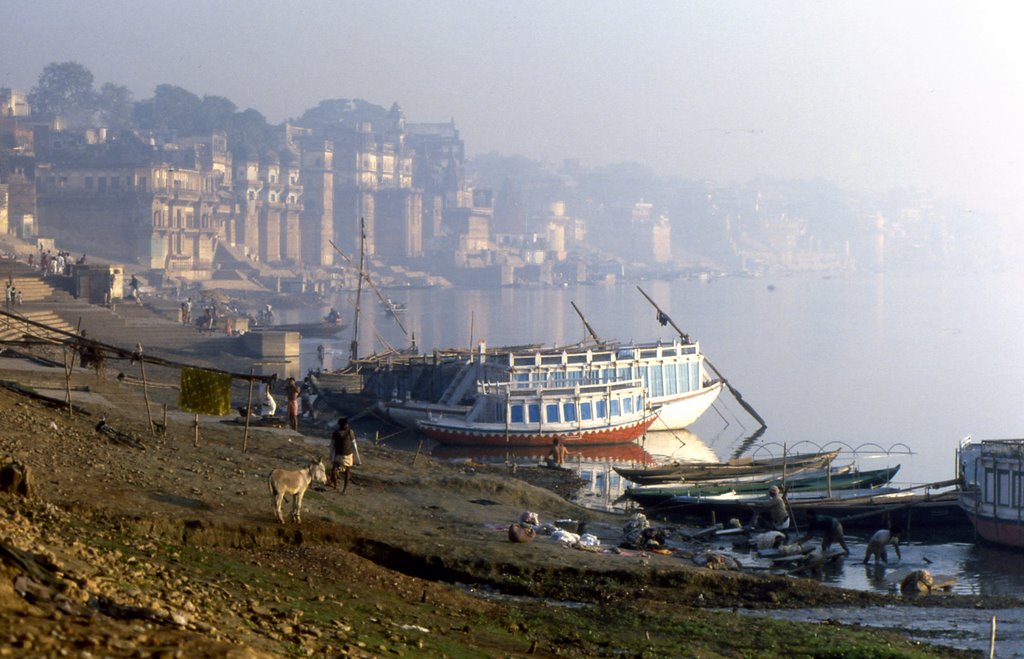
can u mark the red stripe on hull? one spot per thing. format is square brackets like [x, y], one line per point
[467, 437]
[1009, 533]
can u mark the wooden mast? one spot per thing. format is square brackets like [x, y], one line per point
[354, 347]
[590, 330]
[664, 319]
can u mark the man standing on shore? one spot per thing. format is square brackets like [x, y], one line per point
[343, 453]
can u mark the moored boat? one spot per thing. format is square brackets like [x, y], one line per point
[832, 481]
[509, 415]
[678, 387]
[872, 508]
[316, 329]
[745, 466]
[992, 472]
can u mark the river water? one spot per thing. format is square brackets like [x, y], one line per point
[896, 369]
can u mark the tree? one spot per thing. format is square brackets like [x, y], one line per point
[215, 113]
[114, 105]
[64, 89]
[171, 107]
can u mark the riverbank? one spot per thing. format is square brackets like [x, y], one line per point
[169, 547]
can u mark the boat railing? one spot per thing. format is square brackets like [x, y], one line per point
[576, 388]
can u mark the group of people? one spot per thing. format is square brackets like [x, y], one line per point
[54, 264]
[778, 519]
[13, 295]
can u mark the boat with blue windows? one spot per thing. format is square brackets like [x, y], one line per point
[677, 384]
[519, 414]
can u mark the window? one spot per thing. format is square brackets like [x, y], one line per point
[568, 412]
[1003, 489]
[586, 413]
[533, 412]
[601, 408]
[101, 184]
[990, 486]
[517, 414]
[88, 183]
[551, 412]
[627, 405]
[615, 407]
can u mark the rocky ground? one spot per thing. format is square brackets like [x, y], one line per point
[156, 544]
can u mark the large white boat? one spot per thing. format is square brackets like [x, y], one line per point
[673, 376]
[518, 414]
[991, 474]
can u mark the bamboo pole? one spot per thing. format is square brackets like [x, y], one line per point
[145, 390]
[196, 441]
[248, 413]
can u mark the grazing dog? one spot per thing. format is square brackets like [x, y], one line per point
[285, 481]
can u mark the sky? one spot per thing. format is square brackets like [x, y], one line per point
[870, 95]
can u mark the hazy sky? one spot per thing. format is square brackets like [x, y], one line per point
[870, 95]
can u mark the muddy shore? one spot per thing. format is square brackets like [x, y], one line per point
[169, 547]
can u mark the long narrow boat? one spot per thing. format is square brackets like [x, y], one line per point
[504, 415]
[745, 466]
[748, 492]
[316, 329]
[992, 472]
[678, 387]
[873, 508]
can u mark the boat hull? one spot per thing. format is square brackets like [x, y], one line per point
[874, 509]
[468, 434]
[1009, 533]
[676, 413]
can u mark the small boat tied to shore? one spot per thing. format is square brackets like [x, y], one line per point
[833, 479]
[992, 472]
[508, 414]
[737, 467]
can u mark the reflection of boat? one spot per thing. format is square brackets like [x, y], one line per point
[628, 451]
[872, 508]
[677, 385]
[503, 414]
[320, 328]
[992, 473]
[846, 479]
[745, 466]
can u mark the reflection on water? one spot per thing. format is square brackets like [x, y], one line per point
[595, 465]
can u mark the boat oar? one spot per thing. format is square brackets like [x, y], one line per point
[664, 319]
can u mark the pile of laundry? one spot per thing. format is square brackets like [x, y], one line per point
[529, 527]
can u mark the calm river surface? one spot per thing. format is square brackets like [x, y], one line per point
[899, 368]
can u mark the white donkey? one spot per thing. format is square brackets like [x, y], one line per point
[295, 482]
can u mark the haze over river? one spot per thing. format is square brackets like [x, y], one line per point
[899, 366]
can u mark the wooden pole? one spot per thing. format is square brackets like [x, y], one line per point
[165, 418]
[248, 413]
[67, 381]
[992, 643]
[196, 442]
[663, 318]
[145, 390]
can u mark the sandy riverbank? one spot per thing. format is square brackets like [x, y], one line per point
[173, 550]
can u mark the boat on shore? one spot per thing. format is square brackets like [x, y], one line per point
[677, 384]
[510, 415]
[870, 508]
[833, 480]
[737, 467]
[991, 472]
[317, 329]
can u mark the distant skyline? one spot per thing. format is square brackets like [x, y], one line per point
[869, 95]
